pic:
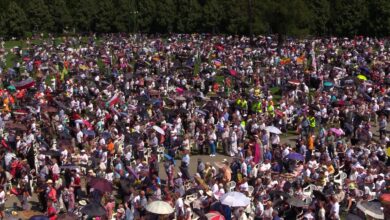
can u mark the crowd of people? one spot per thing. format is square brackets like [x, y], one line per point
[81, 113]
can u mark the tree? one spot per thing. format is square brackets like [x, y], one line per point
[60, 15]
[39, 16]
[165, 17]
[320, 15]
[104, 16]
[379, 18]
[123, 16]
[15, 20]
[348, 17]
[188, 16]
[147, 13]
[83, 15]
[236, 17]
[212, 14]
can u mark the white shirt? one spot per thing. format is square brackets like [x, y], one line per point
[2, 197]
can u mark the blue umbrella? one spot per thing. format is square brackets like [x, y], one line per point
[39, 217]
[89, 132]
[329, 84]
[295, 156]
[364, 69]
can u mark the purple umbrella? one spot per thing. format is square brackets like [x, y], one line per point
[295, 156]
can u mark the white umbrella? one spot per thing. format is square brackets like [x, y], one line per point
[371, 208]
[159, 130]
[160, 208]
[235, 199]
[273, 129]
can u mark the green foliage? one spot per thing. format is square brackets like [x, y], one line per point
[60, 14]
[83, 15]
[15, 20]
[38, 16]
[283, 17]
[165, 16]
[146, 15]
[104, 16]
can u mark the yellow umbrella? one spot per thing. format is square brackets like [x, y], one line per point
[83, 67]
[362, 77]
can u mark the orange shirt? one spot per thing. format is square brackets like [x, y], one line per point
[311, 143]
[110, 147]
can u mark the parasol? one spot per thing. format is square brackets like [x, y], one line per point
[25, 84]
[17, 126]
[214, 215]
[294, 82]
[295, 156]
[319, 195]
[159, 208]
[362, 77]
[328, 84]
[93, 210]
[159, 130]
[52, 153]
[293, 201]
[101, 184]
[337, 131]
[235, 199]
[68, 216]
[39, 217]
[371, 208]
[273, 129]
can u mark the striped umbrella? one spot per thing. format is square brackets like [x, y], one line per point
[214, 215]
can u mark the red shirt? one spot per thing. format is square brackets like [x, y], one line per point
[51, 213]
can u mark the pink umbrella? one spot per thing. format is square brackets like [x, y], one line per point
[233, 72]
[214, 215]
[337, 131]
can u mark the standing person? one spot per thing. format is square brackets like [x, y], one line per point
[212, 137]
[185, 163]
[2, 202]
[51, 211]
[382, 127]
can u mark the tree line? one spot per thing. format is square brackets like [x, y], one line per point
[20, 18]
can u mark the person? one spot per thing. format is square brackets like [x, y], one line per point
[185, 163]
[51, 211]
[110, 206]
[2, 202]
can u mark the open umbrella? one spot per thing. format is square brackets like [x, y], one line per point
[39, 217]
[68, 216]
[337, 131]
[295, 156]
[159, 130]
[214, 215]
[371, 208]
[362, 77]
[159, 208]
[52, 153]
[235, 199]
[294, 82]
[49, 109]
[319, 195]
[101, 184]
[293, 201]
[328, 84]
[273, 129]
[69, 166]
[25, 84]
[93, 210]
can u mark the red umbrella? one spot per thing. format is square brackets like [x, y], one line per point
[101, 184]
[233, 72]
[214, 215]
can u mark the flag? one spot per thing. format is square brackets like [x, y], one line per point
[25, 84]
[113, 100]
[64, 72]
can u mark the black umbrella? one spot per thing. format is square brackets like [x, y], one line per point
[39, 217]
[293, 201]
[68, 216]
[278, 193]
[93, 210]
[52, 153]
[319, 195]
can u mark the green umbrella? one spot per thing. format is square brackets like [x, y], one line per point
[11, 88]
